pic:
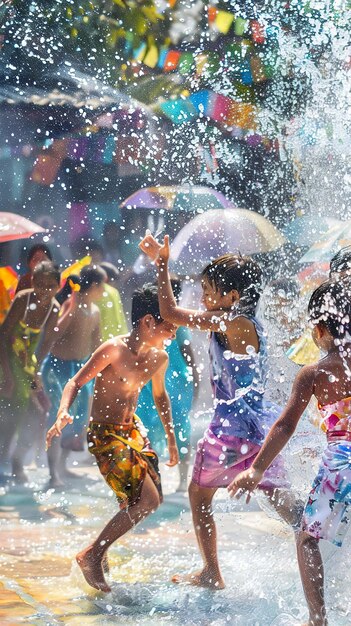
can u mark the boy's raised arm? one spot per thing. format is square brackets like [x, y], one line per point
[163, 406]
[99, 360]
[280, 433]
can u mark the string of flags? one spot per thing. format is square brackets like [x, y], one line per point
[250, 46]
[221, 109]
[238, 57]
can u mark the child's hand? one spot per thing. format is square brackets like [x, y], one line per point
[154, 250]
[164, 251]
[246, 481]
[55, 431]
[173, 455]
[150, 246]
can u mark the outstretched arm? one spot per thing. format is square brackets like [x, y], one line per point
[280, 433]
[97, 363]
[163, 406]
[216, 321]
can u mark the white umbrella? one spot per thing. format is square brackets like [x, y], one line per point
[218, 231]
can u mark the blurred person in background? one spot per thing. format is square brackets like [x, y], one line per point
[87, 246]
[113, 319]
[32, 317]
[75, 339]
[37, 253]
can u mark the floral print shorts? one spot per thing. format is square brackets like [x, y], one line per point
[328, 510]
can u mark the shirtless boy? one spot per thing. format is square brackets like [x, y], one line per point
[122, 366]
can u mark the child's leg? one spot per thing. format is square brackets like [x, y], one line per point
[288, 507]
[54, 462]
[9, 420]
[183, 472]
[205, 529]
[90, 559]
[30, 438]
[312, 577]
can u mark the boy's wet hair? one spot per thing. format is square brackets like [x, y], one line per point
[91, 275]
[341, 261]
[330, 306]
[233, 271]
[38, 247]
[47, 268]
[145, 302]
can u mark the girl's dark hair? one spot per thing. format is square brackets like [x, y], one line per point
[330, 305]
[145, 302]
[66, 290]
[91, 275]
[341, 261]
[49, 269]
[38, 247]
[111, 271]
[176, 287]
[233, 271]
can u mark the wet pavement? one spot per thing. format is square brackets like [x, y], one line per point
[40, 585]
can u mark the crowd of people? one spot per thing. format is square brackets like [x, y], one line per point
[70, 360]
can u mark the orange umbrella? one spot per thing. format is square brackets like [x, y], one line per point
[13, 226]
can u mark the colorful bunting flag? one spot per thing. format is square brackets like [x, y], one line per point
[223, 21]
[258, 32]
[151, 56]
[171, 61]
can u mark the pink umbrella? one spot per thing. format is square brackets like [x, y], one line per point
[13, 226]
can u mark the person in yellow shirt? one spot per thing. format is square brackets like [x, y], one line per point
[113, 319]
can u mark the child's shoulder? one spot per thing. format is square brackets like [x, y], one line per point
[159, 354]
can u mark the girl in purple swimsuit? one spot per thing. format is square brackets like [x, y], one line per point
[231, 289]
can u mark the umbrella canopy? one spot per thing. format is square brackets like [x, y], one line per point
[13, 226]
[307, 230]
[177, 198]
[337, 237]
[219, 231]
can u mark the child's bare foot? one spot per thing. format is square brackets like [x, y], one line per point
[54, 483]
[92, 570]
[201, 579]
